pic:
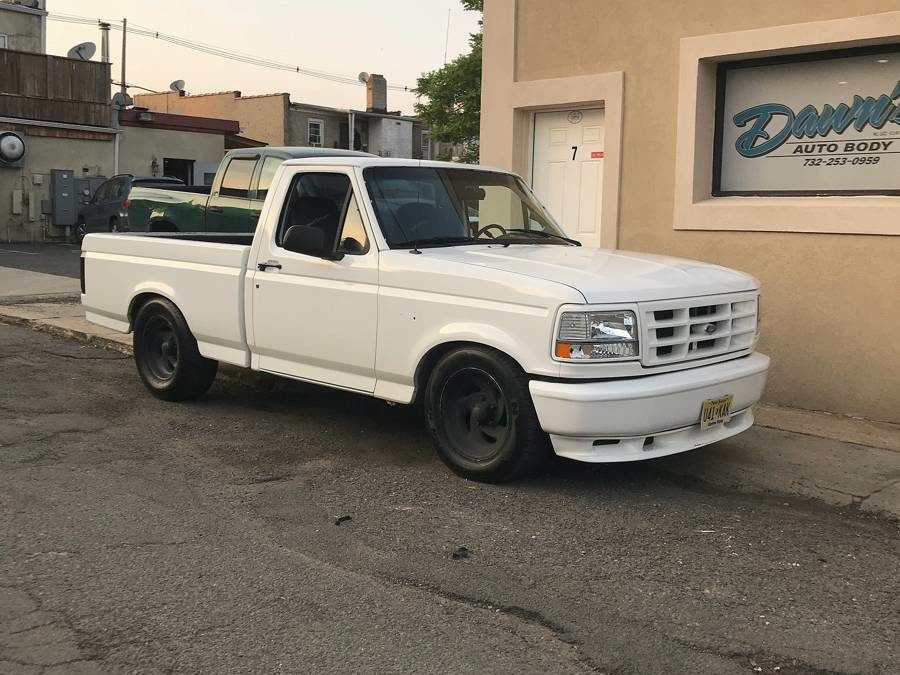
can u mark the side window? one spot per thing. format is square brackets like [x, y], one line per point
[102, 193]
[270, 164]
[315, 131]
[325, 201]
[353, 239]
[120, 190]
[236, 182]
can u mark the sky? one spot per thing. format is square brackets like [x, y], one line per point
[398, 38]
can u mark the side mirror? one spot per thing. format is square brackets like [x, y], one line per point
[308, 241]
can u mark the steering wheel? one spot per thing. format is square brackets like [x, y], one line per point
[484, 230]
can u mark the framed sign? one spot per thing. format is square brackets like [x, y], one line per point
[826, 123]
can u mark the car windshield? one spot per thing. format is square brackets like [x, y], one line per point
[427, 206]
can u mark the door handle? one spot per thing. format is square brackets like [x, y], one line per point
[263, 266]
[215, 209]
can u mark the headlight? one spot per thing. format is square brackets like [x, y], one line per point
[585, 336]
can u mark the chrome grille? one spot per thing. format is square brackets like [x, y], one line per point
[697, 328]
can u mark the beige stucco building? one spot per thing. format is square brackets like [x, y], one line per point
[276, 120]
[619, 114]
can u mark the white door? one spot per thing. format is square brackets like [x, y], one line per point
[567, 169]
[315, 318]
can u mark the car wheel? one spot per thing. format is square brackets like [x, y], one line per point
[166, 354]
[80, 230]
[481, 417]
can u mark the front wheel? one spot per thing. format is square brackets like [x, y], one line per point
[166, 354]
[481, 417]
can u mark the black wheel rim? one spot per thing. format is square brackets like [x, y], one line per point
[475, 414]
[160, 347]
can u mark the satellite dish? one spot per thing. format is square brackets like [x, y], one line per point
[83, 52]
[177, 85]
[363, 77]
[121, 101]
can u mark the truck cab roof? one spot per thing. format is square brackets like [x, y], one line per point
[288, 152]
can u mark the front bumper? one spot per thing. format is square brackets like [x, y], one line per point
[646, 417]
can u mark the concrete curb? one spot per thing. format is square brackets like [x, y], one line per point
[116, 342]
[82, 336]
[44, 298]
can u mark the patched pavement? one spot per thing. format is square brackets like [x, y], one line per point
[138, 536]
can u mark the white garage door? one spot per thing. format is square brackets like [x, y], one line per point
[567, 169]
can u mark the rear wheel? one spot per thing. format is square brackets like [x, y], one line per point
[166, 354]
[481, 417]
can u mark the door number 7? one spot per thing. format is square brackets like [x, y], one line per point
[574, 151]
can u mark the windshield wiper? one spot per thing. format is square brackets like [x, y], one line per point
[436, 241]
[512, 234]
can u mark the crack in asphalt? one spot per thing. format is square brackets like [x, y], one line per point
[787, 665]
[527, 616]
[86, 358]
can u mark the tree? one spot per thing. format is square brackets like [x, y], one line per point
[449, 98]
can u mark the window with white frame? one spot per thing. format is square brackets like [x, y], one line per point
[4, 40]
[315, 131]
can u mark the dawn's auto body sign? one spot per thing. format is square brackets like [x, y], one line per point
[824, 126]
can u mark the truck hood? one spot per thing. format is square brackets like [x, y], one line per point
[604, 276]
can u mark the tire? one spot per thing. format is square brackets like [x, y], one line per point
[481, 417]
[166, 354]
[80, 230]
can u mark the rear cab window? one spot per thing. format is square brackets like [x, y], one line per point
[236, 181]
[266, 173]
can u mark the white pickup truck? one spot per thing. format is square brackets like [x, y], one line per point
[452, 286]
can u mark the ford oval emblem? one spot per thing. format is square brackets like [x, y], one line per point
[709, 328]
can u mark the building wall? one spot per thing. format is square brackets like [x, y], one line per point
[297, 130]
[139, 146]
[86, 154]
[829, 301]
[22, 28]
[390, 138]
[263, 118]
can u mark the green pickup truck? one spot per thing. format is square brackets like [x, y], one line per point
[231, 204]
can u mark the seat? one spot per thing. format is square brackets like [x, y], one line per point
[317, 212]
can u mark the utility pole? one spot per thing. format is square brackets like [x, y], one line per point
[124, 35]
[447, 37]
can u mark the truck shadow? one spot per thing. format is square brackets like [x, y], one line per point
[299, 422]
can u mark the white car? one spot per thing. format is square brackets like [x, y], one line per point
[453, 286]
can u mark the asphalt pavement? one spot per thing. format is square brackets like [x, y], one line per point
[274, 527]
[57, 259]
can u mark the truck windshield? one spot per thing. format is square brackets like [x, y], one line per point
[426, 206]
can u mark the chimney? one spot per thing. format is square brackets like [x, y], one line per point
[376, 94]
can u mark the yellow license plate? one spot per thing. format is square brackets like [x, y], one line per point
[715, 411]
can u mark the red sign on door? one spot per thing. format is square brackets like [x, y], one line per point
[597, 154]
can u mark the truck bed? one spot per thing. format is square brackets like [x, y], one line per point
[238, 238]
[202, 273]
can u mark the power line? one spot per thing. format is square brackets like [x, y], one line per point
[221, 52]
